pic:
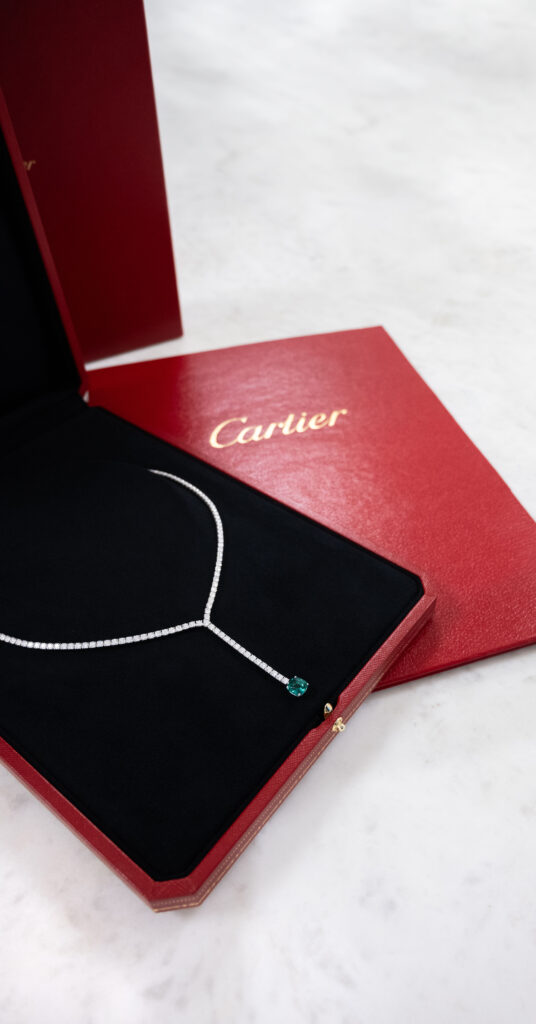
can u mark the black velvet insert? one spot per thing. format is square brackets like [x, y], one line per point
[36, 358]
[163, 743]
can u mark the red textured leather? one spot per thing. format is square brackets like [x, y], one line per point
[77, 81]
[395, 473]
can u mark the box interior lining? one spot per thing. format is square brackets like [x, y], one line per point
[162, 744]
[40, 361]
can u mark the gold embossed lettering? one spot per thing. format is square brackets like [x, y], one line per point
[287, 424]
[214, 437]
[221, 437]
[333, 418]
[243, 439]
[318, 421]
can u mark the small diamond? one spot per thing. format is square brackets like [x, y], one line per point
[297, 687]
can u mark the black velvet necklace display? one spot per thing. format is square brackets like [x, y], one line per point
[160, 744]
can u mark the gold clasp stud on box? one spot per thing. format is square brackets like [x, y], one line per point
[338, 725]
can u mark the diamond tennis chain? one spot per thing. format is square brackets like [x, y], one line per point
[295, 685]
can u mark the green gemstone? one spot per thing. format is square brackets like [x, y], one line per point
[297, 687]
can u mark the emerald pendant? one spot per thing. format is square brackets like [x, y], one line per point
[297, 687]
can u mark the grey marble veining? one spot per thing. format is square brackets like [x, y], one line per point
[333, 165]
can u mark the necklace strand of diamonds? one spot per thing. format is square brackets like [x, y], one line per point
[295, 685]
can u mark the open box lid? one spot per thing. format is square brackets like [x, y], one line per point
[77, 81]
[46, 358]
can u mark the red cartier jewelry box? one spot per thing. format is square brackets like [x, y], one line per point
[77, 80]
[192, 889]
[375, 456]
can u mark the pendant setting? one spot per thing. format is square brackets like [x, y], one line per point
[297, 687]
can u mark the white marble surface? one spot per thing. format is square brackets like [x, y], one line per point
[335, 164]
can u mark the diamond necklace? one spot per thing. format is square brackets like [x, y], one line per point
[295, 685]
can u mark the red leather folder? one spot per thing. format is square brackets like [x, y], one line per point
[370, 451]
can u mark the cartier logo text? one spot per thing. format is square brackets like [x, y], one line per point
[238, 430]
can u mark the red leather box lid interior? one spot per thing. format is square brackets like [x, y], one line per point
[394, 471]
[77, 81]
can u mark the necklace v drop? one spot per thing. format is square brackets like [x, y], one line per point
[295, 685]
